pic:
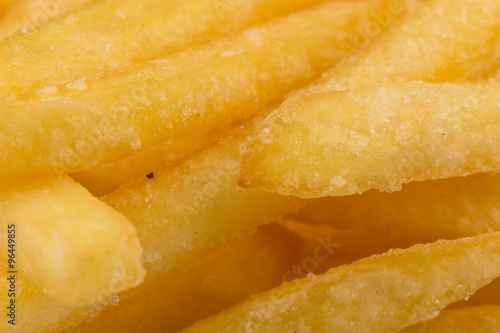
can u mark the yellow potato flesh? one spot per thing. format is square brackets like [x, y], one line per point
[383, 293]
[247, 266]
[447, 208]
[478, 319]
[30, 13]
[160, 103]
[348, 142]
[69, 244]
[197, 204]
[111, 35]
[438, 41]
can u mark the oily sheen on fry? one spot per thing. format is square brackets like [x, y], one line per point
[421, 281]
[169, 100]
[69, 244]
[348, 142]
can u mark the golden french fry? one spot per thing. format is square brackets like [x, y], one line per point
[69, 244]
[348, 142]
[353, 298]
[480, 319]
[197, 204]
[169, 100]
[446, 208]
[107, 178]
[438, 41]
[30, 13]
[216, 282]
[38, 312]
[112, 35]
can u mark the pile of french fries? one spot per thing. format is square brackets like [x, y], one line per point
[250, 166]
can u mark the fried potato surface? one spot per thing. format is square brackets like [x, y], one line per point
[347, 142]
[40, 312]
[113, 35]
[446, 208]
[421, 281]
[218, 281]
[69, 244]
[27, 14]
[197, 204]
[437, 41]
[478, 319]
[169, 100]
[107, 178]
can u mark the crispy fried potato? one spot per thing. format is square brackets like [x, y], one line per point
[447, 208]
[421, 281]
[348, 142]
[478, 319]
[115, 34]
[38, 312]
[219, 276]
[107, 178]
[30, 13]
[169, 100]
[197, 204]
[438, 41]
[216, 282]
[69, 244]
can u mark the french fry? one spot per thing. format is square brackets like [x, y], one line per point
[113, 35]
[197, 204]
[107, 178]
[482, 319]
[421, 281]
[447, 208]
[216, 282]
[348, 142]
[30, 13]
[69, 244]
[489, 294]
[433, 43]
[38, 312]
[166, 101]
